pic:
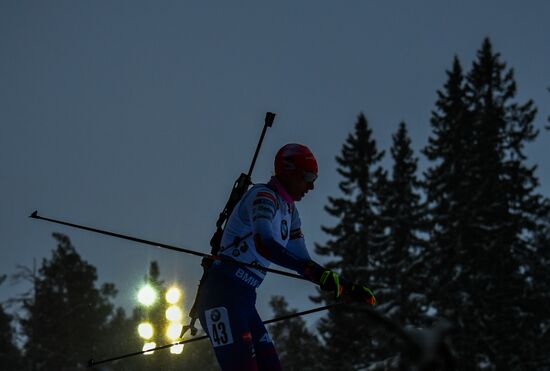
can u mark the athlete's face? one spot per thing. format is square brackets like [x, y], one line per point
[297, 185]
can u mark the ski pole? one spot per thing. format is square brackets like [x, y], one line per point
[35, 215]
[92, 363]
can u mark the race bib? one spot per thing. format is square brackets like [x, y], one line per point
[265, 338]
[218, 325]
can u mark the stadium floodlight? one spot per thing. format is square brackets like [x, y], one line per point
[174, 314]
[147, 346]
[147, 295]
[173, 295]
[176, 349]
[145, 330]
[173, 331]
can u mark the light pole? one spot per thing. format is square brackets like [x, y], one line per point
[174, 317]
[172, 321]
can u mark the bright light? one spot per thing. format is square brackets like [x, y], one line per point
[145, 330]
[173, 331]
[176, 349]
[173, 314]
[148, 346]
[147, 295]
[173, 295]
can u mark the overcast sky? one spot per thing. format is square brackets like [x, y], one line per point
[137, 116]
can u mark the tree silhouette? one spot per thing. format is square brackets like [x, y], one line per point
[10, 354]
[298, 348]
[484, 209]
[66, 315]
[354, 243]
[399, 268]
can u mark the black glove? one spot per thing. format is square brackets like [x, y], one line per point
[326, 279]
[330, 281]
[361, 293]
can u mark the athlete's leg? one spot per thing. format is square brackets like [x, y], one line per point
[224, 315]
[266, 355]
[230, 338]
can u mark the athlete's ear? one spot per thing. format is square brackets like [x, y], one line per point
[260, 247]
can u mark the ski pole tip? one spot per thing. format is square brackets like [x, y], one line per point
[34, 214]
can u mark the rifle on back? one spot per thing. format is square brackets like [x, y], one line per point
[239, 189]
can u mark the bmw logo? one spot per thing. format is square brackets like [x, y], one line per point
[284, 230]
[215, 315]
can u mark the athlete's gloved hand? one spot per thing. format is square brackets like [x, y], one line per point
[330, 281]
[360, 293]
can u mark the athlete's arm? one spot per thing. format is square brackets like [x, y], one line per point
[263, 212]
[295, 256]
[296, 243]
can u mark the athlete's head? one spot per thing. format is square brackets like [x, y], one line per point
[296, 168]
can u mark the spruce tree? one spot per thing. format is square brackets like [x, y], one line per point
[510, 207]
[298, 348]
[67, 314]
[449, 195]
[353, 243]
[483, 204]
[399, 260]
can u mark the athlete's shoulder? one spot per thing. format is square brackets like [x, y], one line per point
[264, 191]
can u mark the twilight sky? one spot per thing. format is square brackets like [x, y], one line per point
[137, 116]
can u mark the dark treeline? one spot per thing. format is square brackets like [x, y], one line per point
[66, 321]
[466, 241]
